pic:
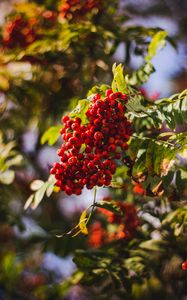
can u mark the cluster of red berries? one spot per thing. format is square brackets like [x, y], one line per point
[77, 8]
[90, 152]
[19, 32]
[124, 226]
[184, 265]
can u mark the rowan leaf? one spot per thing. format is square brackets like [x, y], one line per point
[80, 111]
[51, 135]
[158, 41]
[7, 177]
[110, 206]
[119, 83]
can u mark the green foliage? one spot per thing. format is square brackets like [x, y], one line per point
[158, 42]
[8, 158]
[98, 90]
[10, 270]
[151, 155]
[110, 206]
[119, 83]
[143, 73]
[177, 220]
[51, 135]
[173, 110]
[80, 111]
[40, 188]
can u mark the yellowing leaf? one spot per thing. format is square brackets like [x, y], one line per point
[83, 222]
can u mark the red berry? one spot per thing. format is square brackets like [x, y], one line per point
[65, 119]
[108, 92]
[112, 148]
[98, 136]
[184, 265]
[75, 126]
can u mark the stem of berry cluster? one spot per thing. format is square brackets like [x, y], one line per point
[94, 202]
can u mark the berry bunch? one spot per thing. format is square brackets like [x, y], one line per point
[76, 9]
[124, 226]
[90, 152]
[19, 32]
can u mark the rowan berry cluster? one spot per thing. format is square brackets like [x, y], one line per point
[76, 9]
[124, 226]
[90, 152]
[19, 32]
[22, 31]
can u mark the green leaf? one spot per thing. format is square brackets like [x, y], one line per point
[5, 150]
[16, 160]
[83, 261]
[7, 177]
[40, 187]
[98, 90]
[36, 184]
[51, 135]
[119, 83]
[154, 245]
[141, 75]
[158, 41]
[80, 111]
[29, 201]
[109, 205]
[151, 155]
[135, 263]
[49, 190]
[173, 109]
[39, 195]
[146, 69]
[136, 107]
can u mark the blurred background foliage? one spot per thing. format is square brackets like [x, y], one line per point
[52, 53]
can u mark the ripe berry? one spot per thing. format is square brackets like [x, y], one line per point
[98, 136]
[108, 92]
[184, 265]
